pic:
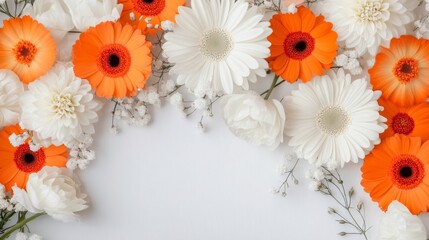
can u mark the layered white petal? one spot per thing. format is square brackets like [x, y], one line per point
[367, 24]
[10, 90]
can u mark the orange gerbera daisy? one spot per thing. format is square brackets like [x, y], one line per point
[398, 169]
[412, 121]
[17, 163]
[302, 45]
[115, 59]
[156, 10]
[27, 48]
[401, 71]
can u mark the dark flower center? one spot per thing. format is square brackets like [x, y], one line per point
[402, 123]
[114, 60]
[148, 7]
[298, 45]
[406, 70]
[407, 171]
[29, 158]
[29, 161]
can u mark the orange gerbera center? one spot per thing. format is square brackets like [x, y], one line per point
[407, 171]
[24, 52]
[29, 161]
[406, 69]
[114, 60]
[149, 7]
[298, 45]
[402, 123]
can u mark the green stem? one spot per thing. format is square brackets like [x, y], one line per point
[6, 219]
[20, 225]
[273, 85]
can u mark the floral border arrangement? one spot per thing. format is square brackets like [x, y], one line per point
[359, 67]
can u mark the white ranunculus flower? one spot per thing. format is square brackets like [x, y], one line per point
[59, 107]
[254, 119]
[400, 224]
[10, 90]
[55, 191]
[88, 13]
[53, 14]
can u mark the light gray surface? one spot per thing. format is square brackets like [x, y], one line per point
[168, 181]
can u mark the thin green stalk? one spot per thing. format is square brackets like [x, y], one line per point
[273, 85]
[19, 225]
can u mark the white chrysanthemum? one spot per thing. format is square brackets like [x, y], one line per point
[216, 44]
[367, 24]
[10, 90]
[333, 120]
[59, 107]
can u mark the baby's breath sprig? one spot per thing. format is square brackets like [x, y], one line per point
[16, 10]
[352, 214]
[288, 170]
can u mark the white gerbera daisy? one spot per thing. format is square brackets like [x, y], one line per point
[332, 120]
[59, 107]
[10, 90]
[367, 24]
[216, 44]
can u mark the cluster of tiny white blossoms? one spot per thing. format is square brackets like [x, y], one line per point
[17, 140]
[24, 236]
[349, 60]
[133, 111]
[188, 107]
[287, 170]
[8, 203]
[81, 154]
[316, 176]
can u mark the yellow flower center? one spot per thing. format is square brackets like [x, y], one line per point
[369, 11]
[63, 105]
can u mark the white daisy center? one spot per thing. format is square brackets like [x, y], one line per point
[63, 105]
[216, 44]
[369, 11]
[333, 120]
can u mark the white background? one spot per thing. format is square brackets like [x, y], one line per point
[169, 181]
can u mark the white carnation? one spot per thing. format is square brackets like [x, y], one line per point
[59, 107]
[254, 119]
[10, 90]
[54, 191]
[399, 224]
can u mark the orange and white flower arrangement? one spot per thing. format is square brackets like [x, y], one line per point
[360, 76]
